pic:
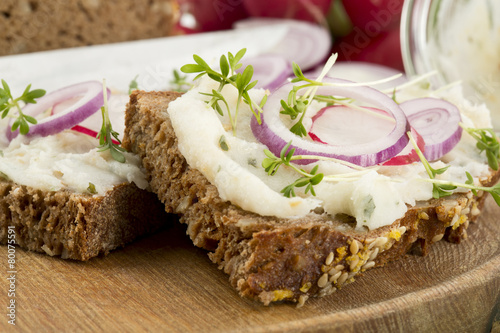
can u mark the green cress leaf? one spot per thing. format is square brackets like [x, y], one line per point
[6, 88]
[297, 71]
[91, 189]
[34, 94]
[133, 85]
[487, 141]
[272, 163]
[223, 144]
[201, 62]
[7, 103]
[242, 82]
[235, 65]
[191, 68]
[224, 65]
[106, 134]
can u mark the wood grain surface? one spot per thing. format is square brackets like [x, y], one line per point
[164, 284]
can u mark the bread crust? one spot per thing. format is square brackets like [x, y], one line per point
[77, 226]
[273, 259]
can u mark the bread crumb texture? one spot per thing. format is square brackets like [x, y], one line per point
[271, 259]
[77, 226]
[38, 25]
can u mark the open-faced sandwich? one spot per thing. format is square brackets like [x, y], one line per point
[63, 191]
[297, 191]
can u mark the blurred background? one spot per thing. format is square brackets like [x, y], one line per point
[361, 30]
[364, 30]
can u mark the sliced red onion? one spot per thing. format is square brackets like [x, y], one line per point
[408, 155]
[275, 135]
[270, 70]
[305, 43]
[90, 101]
[437, 121]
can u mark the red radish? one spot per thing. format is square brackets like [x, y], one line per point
[382, 48]
[334, 124]
[305, 10]
[382, 15]
[211, 15]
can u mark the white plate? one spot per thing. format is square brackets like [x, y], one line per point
[152, 60]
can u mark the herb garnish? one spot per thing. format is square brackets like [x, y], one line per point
[487, 141]
[8, 102]
[106, 134]
[133, 85]
[91, 189]
[444, 188]
[241, 81]
[179, 82]
[272, 163]
[295, 106]
[223, 144]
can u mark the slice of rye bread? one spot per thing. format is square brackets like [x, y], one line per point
[39, 25]
[273, 259]
[77, 226]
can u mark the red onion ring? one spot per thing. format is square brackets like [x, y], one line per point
[90, 102]
[270, 70]
[437, 121]
[305, 43]
[275, 135]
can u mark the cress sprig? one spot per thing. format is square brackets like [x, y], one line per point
[309, 179]
[106, 134]
[242, 81]
[8, 103]
[487, 141]
[444, 188]
[296, 105]
[180, 82]
[272, 163]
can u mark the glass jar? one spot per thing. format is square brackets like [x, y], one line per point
[460, 39]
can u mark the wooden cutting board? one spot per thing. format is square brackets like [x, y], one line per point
[164, 284]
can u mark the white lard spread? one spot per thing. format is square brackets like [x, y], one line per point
[376, 199]
[67, 160]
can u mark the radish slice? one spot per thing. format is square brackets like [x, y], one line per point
[89, 132]
[275, 135]
[408, 155]
[270, 70]
[333, 125]
[90, 100]
[438, 123]
[305, 43]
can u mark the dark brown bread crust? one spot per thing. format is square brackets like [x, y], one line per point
[272, 259]
[38, 25]
[77, 226]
